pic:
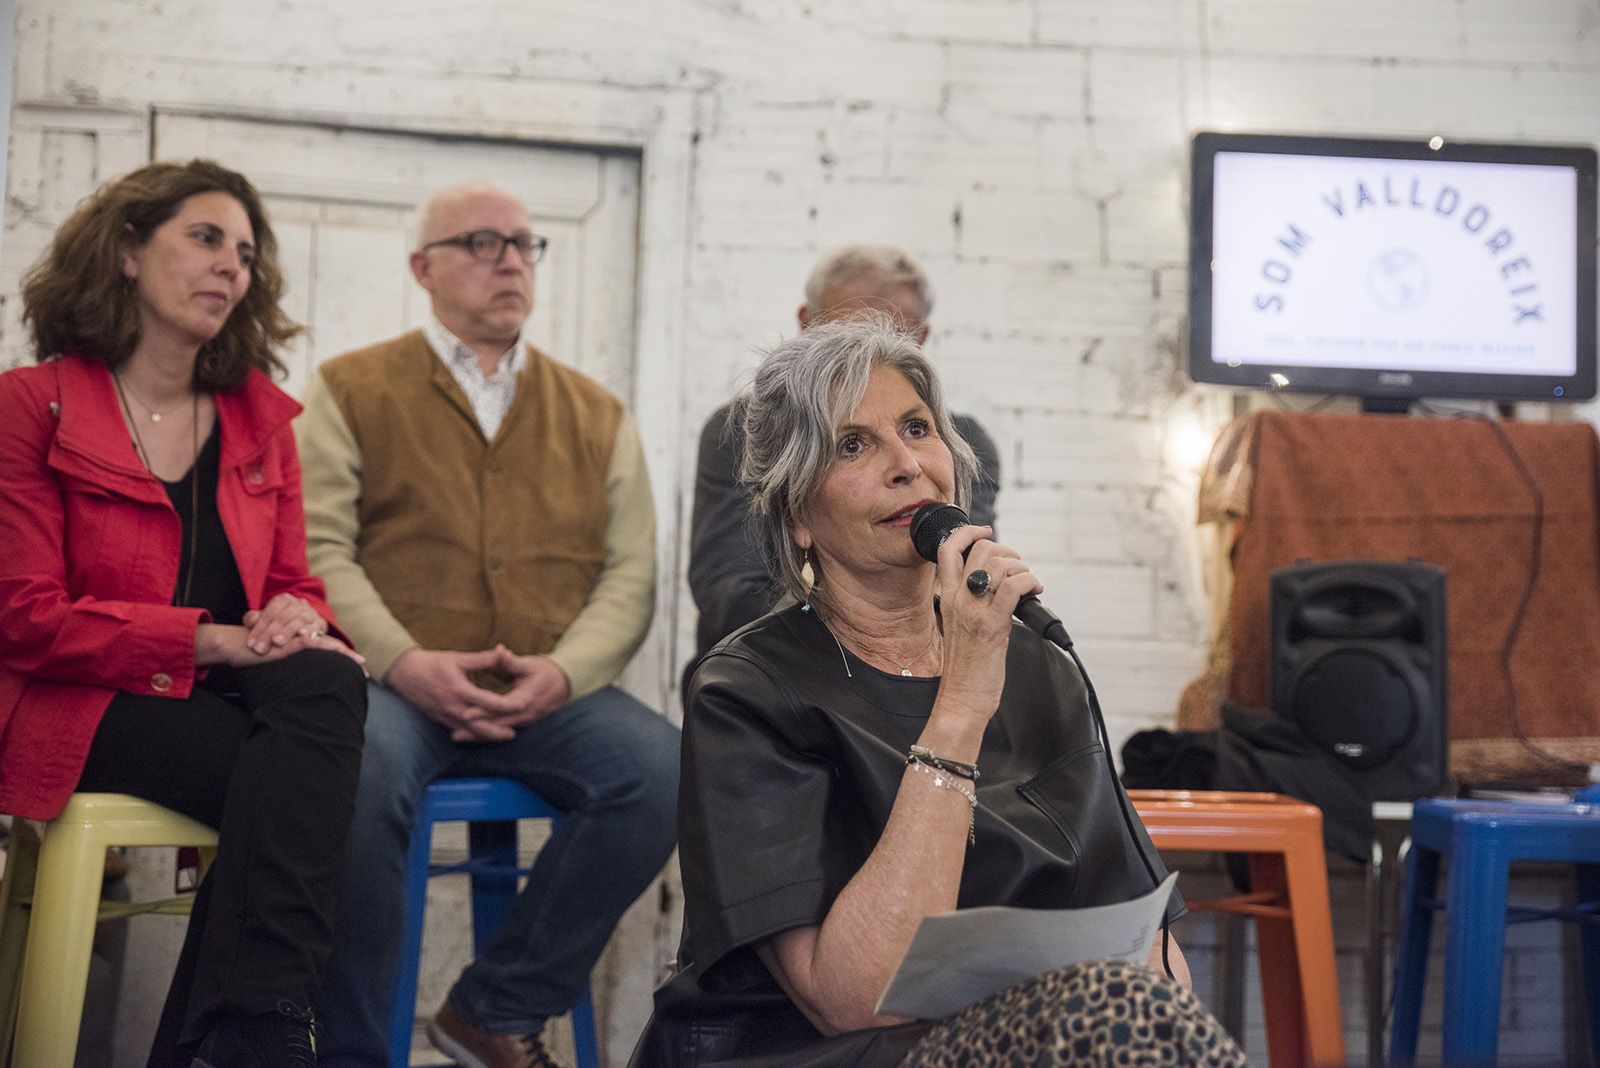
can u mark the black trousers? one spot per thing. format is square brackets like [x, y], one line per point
[269, 756]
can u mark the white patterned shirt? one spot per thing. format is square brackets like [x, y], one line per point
[489, 395]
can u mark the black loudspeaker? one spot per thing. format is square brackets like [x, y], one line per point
[1360, 662]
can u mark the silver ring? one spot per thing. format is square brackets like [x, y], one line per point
[978, 582]
[316, 634]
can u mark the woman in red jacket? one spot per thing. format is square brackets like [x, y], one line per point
[159, 632]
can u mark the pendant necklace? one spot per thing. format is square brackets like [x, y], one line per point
[194, 473]
[155, 416]
[905, 669]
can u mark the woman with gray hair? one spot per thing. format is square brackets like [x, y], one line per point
[888, 748]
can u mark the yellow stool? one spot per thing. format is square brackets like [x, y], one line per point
[51, 897]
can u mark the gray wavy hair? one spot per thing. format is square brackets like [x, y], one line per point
[802, 391]
[889, 267]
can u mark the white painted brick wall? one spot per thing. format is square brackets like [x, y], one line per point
[1031, 152]
[1168, 27]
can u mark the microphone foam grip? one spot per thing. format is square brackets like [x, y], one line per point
[933, 523]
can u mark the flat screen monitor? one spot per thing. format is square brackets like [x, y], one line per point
[1393, 270]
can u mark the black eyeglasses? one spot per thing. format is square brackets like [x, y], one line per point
[490, 245]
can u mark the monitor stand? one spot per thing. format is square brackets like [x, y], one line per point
[1387, 405]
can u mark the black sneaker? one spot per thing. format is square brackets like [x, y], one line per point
[282, 1039]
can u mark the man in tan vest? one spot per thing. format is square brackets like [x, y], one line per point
[482, 517]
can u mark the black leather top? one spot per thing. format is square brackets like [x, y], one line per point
[790, 768]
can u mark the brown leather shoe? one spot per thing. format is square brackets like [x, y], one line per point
[472, 1047]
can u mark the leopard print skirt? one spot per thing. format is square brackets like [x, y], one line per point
[1101, 1013]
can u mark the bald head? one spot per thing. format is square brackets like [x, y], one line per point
[438, 216]
[483, 302]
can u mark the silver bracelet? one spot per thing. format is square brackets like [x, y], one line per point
[920, 754]
[950, 782]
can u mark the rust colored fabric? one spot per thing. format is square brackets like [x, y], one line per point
[1449, 493]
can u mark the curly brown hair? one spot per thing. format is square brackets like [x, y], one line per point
[76, 299]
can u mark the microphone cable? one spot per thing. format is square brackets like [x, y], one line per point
[1124, 805]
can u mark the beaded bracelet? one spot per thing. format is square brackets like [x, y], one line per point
[960, 769]
[941, 778]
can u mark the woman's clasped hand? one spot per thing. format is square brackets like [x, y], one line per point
[284, 626]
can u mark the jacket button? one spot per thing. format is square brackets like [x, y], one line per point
[161, 682]
[257, 476]
[494, 563]
[496, 466]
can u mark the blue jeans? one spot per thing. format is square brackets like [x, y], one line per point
[605, 758]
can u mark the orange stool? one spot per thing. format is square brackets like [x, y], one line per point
[1288, 900]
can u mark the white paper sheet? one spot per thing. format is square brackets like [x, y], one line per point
[960, 957]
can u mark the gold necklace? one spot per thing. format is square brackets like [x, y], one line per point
[194, 472]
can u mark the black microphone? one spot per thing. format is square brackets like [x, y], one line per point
[932, 524]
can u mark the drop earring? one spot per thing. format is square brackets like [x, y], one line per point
[808, 574]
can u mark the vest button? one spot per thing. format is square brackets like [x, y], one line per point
[494, 563]
[495, 466]
[161, 682]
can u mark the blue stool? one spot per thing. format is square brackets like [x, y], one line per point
[1482, 838]
[492, 808]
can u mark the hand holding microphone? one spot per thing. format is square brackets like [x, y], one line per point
[933, 523]
[930, 526]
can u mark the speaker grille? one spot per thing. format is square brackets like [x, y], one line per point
[1358, 704]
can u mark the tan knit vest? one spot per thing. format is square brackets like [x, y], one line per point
[472, 542]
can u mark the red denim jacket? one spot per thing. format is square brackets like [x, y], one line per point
[89, 552]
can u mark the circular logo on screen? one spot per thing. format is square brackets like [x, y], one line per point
[1398, 279]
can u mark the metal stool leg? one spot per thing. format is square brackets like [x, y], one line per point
[60, 935]
[16, 893]
[1311, 925]
[1282, 998]
[1587, 880]
[1475, 937]
[404, 1009]
[1411, 954]
[494, 888]
[584, 1035]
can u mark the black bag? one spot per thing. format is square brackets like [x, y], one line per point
[1256, 751]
